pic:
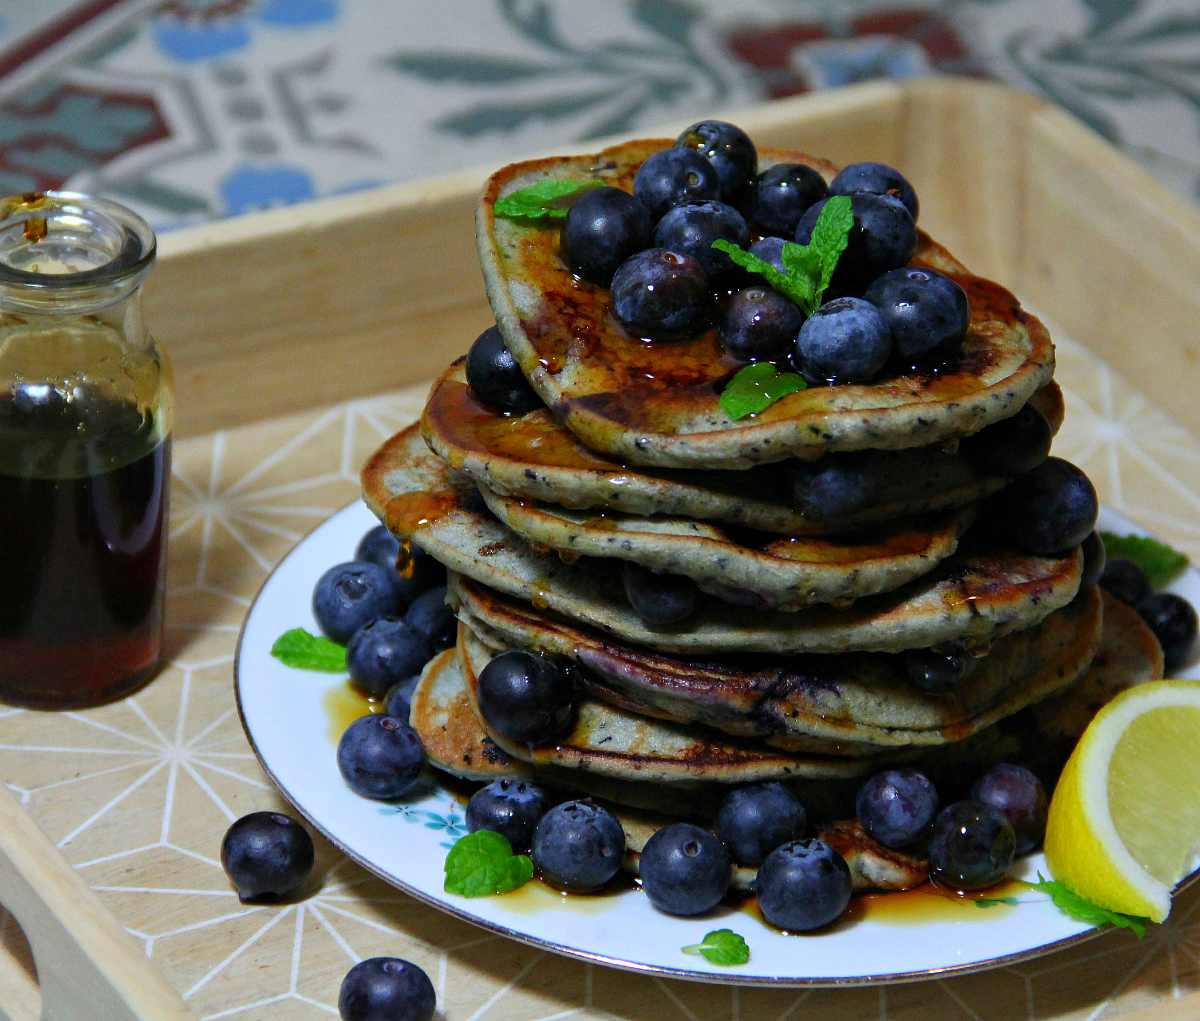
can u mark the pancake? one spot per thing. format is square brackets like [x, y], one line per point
[657, 403]
[975, 594]
[532, 457]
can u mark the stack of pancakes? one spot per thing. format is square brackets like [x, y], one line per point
[791, 668]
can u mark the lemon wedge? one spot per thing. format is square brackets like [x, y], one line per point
[1124, 822]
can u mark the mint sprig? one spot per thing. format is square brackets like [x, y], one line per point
[1161, 563]
[297, 648]
[756, 387]
[482, 864]
[1082, 910]
[551, 197]
[722, 946]
[807, 268]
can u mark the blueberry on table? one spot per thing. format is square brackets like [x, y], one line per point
[661, 295]
[661, 601]
[672, 176]
[754, 820]
[971, 846]
[897, 806]
[384, 652]
[844, 341]
[728, 148]
[832, 487]
[603, 228]
[496, 379]
[691, 230]
[350, 595]
[510, 807]
[934, 672]
[266, 855]
[684, 869]
[432, 616]
[386, 989]
[1020, 797]
[1126, 580]
[759, 323]
[380, 757]
[1048, 510]
[926, 313]
[1095, 559]
[578, 845]
[780, 195]
[526, 698]
[1173, 621]
[802, 885]
[883, 238]
[1012, 446]
[878, 178]
[397, 701]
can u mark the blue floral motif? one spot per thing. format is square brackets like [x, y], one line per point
[249, 187]
[830, 64]
[296, 13]
[450, 820]
[188, 41]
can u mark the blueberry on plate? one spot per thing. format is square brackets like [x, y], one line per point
[603, 228]
[397, 701]
[1048, 510]
[380, 757]
[691, 230]
[421, 572]
[833, 487]
[1094, 561]
[496, 379]
[526, 698]
[1010, 447]
[432, 616]
[1173, 621]
[578, 845]
[802, 885]
[728, 148]
[661, 295]
[927, 313]
[971, 846]
[349, 595]
[780, 195]
[266, 855]
[684, 869]
[754, 820]
[510, 807]
[672, 176]
[380, 547]
[897, 806]
[1020, 797]
[878, 178]
[662, 601]
[934, 671]
[1126, 580]
[759, 323]
[844, 341]
[386, 989]
[384, 652]
[883, 237]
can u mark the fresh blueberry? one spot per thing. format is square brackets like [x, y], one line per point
[883, 237]
[759, 322]
[802, 885]
[578, 845]
[691, 230]
[971, 847]
[350, 595]
[1125, 579]
[1048, 510]
[386, 989]
[380, 757]
[926, 312]
[844, 341]
[511, 808]
[496, 379]
[878, 178]
[728, 148]
[897, 807]
[432, 616]
[266, 856]
[603, 228]
[684, 869]
[672, 176]
[1173, 621]
[380, 547]
[770, 249]
[660, 600]
[384, 652]
[1020, 797]
[934, 672]
[1010, 447]
[397, 701]
[527, 698]
[833, 487]
[421, 572]
[661, 295]
[754, 820]
[1094, 561]
[780, 195]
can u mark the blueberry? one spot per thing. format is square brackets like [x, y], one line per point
[496, 379]
[266, 856]
[397, 701]
[386, 989]
[780, 195]
[878, 178]
[1010, 447]
[380, 757]
[770, 249]
[1173, 621]
[1126, 580]
[421, 572]
[352, 594]
[603, 228]
[511, 808]
[660, 600]
[384, 652]
[432, 616]
[802, 885]
[691, 230]
[833, 487]
[578, 845]
[926, 312]
[1050, 509]
[684, 869]
[1020, 797]
[932, 671]
[759, 322]
[897, 807]
[673, 176]
[754, 820]
[380, 547]
[883, 237]
[1094, 561]
[661, 295]
[527, 698]
[844, 341]
[972, 846]
[728, 148]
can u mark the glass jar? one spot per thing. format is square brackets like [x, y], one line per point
[85, 441]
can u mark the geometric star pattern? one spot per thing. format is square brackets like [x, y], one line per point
[138, 794]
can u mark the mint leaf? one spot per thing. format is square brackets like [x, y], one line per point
[1082, 910]
[756, 387]
[780, 281]
[1161, 563]
[722, 946]
[551, 197]
[482, 864]
[830, 235]
[297, 648]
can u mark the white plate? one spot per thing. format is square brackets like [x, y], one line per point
[405, 843]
